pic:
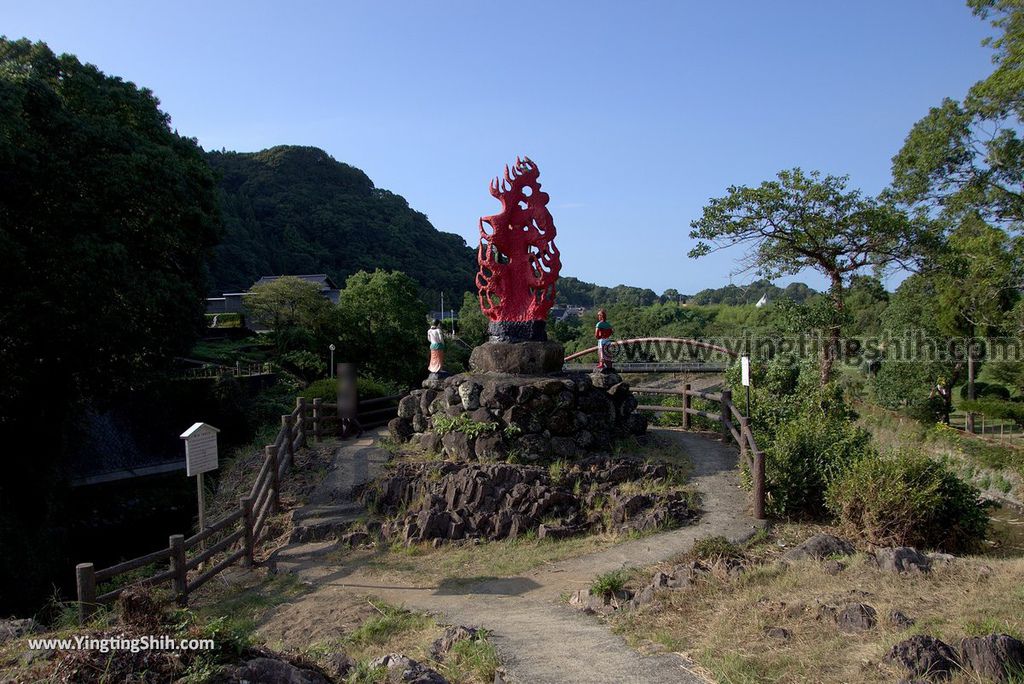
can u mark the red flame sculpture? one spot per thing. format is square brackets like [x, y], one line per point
[518, 258]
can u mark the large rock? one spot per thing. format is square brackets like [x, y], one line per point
[857, 617]
[518, 358]
[272, 671]
[995, 657]
[924, 656]
[902, 559]
[15, 628]
[452, 635]
[820, 546]
[401, 668]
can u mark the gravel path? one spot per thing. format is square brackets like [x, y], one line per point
[539, 638]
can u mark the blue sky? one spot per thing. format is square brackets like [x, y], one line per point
[636, 112]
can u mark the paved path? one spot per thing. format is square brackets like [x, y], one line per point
[539, 638]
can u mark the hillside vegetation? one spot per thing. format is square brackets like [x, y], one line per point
[292, 210]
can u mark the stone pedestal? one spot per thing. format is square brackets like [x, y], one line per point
[497, 417]
[518, 358]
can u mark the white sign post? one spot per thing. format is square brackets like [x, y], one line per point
[745, 378]
[200, 457]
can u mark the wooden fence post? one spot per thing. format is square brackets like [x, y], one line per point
[744, 427]
[318, 412]
[758, 478]
[245, 502]
[288, 427]
[177, 544]
[275, 479]
[726, 414]
[687, 405]
[300, 404]
[85, 578]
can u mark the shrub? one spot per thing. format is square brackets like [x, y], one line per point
[808, 453]
[608, 584]
[908, 499]
[327, 389]
[986, 390]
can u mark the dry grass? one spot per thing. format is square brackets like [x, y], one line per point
[421, 563]
[721, 624]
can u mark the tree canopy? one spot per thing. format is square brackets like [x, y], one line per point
[809, 221]
[384, 326]
[967, 155]
[107, 219]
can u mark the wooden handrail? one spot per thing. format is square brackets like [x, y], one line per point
[133, 564]
[729, 418]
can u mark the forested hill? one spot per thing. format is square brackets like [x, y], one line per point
[292, 210]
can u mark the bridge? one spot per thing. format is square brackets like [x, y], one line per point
[656, 347]
[653, 367]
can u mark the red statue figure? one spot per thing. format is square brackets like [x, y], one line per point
[603, 332]
[518, 259]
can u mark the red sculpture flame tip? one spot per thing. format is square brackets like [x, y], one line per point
[518, 258]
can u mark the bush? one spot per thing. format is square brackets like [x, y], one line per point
[908, 499]
[986, 390]
[368, 388]
[808, 453]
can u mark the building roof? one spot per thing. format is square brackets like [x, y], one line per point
[321, 279]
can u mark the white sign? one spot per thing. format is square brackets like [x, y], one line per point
[200, 449]
[745, 370]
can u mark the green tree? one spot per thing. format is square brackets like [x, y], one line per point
[968, 155]
[472, 321]
[299, 316]
[384, 326]
[809, 221]
[107, 220]
[914, 376]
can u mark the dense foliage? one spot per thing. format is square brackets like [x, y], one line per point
[752, 293]
[807, 431]
[581, 293]
[908, 499]
[384, 326]
[295, 210]
[107, 218]
[809, 220]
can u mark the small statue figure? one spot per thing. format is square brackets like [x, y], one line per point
[603, 332]
[436, 338]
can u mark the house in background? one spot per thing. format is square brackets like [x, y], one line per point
[234, 302]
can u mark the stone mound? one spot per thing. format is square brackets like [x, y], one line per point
[454, 501]
[535, 418]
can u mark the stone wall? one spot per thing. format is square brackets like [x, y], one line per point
[494, 417]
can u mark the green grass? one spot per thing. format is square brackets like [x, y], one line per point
[471, 659]
[391, 623]
[610, 583]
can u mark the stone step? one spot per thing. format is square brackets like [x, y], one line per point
[348, 510]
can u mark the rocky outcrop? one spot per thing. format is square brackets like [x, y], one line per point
[14, 628]
[274, 671]
[996, 657]
[490, 417]
[456, 501]
[924, 656]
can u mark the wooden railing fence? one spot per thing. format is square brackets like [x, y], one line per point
[734, 425]
[237, 533]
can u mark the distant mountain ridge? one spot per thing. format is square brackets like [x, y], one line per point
[292, 209]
